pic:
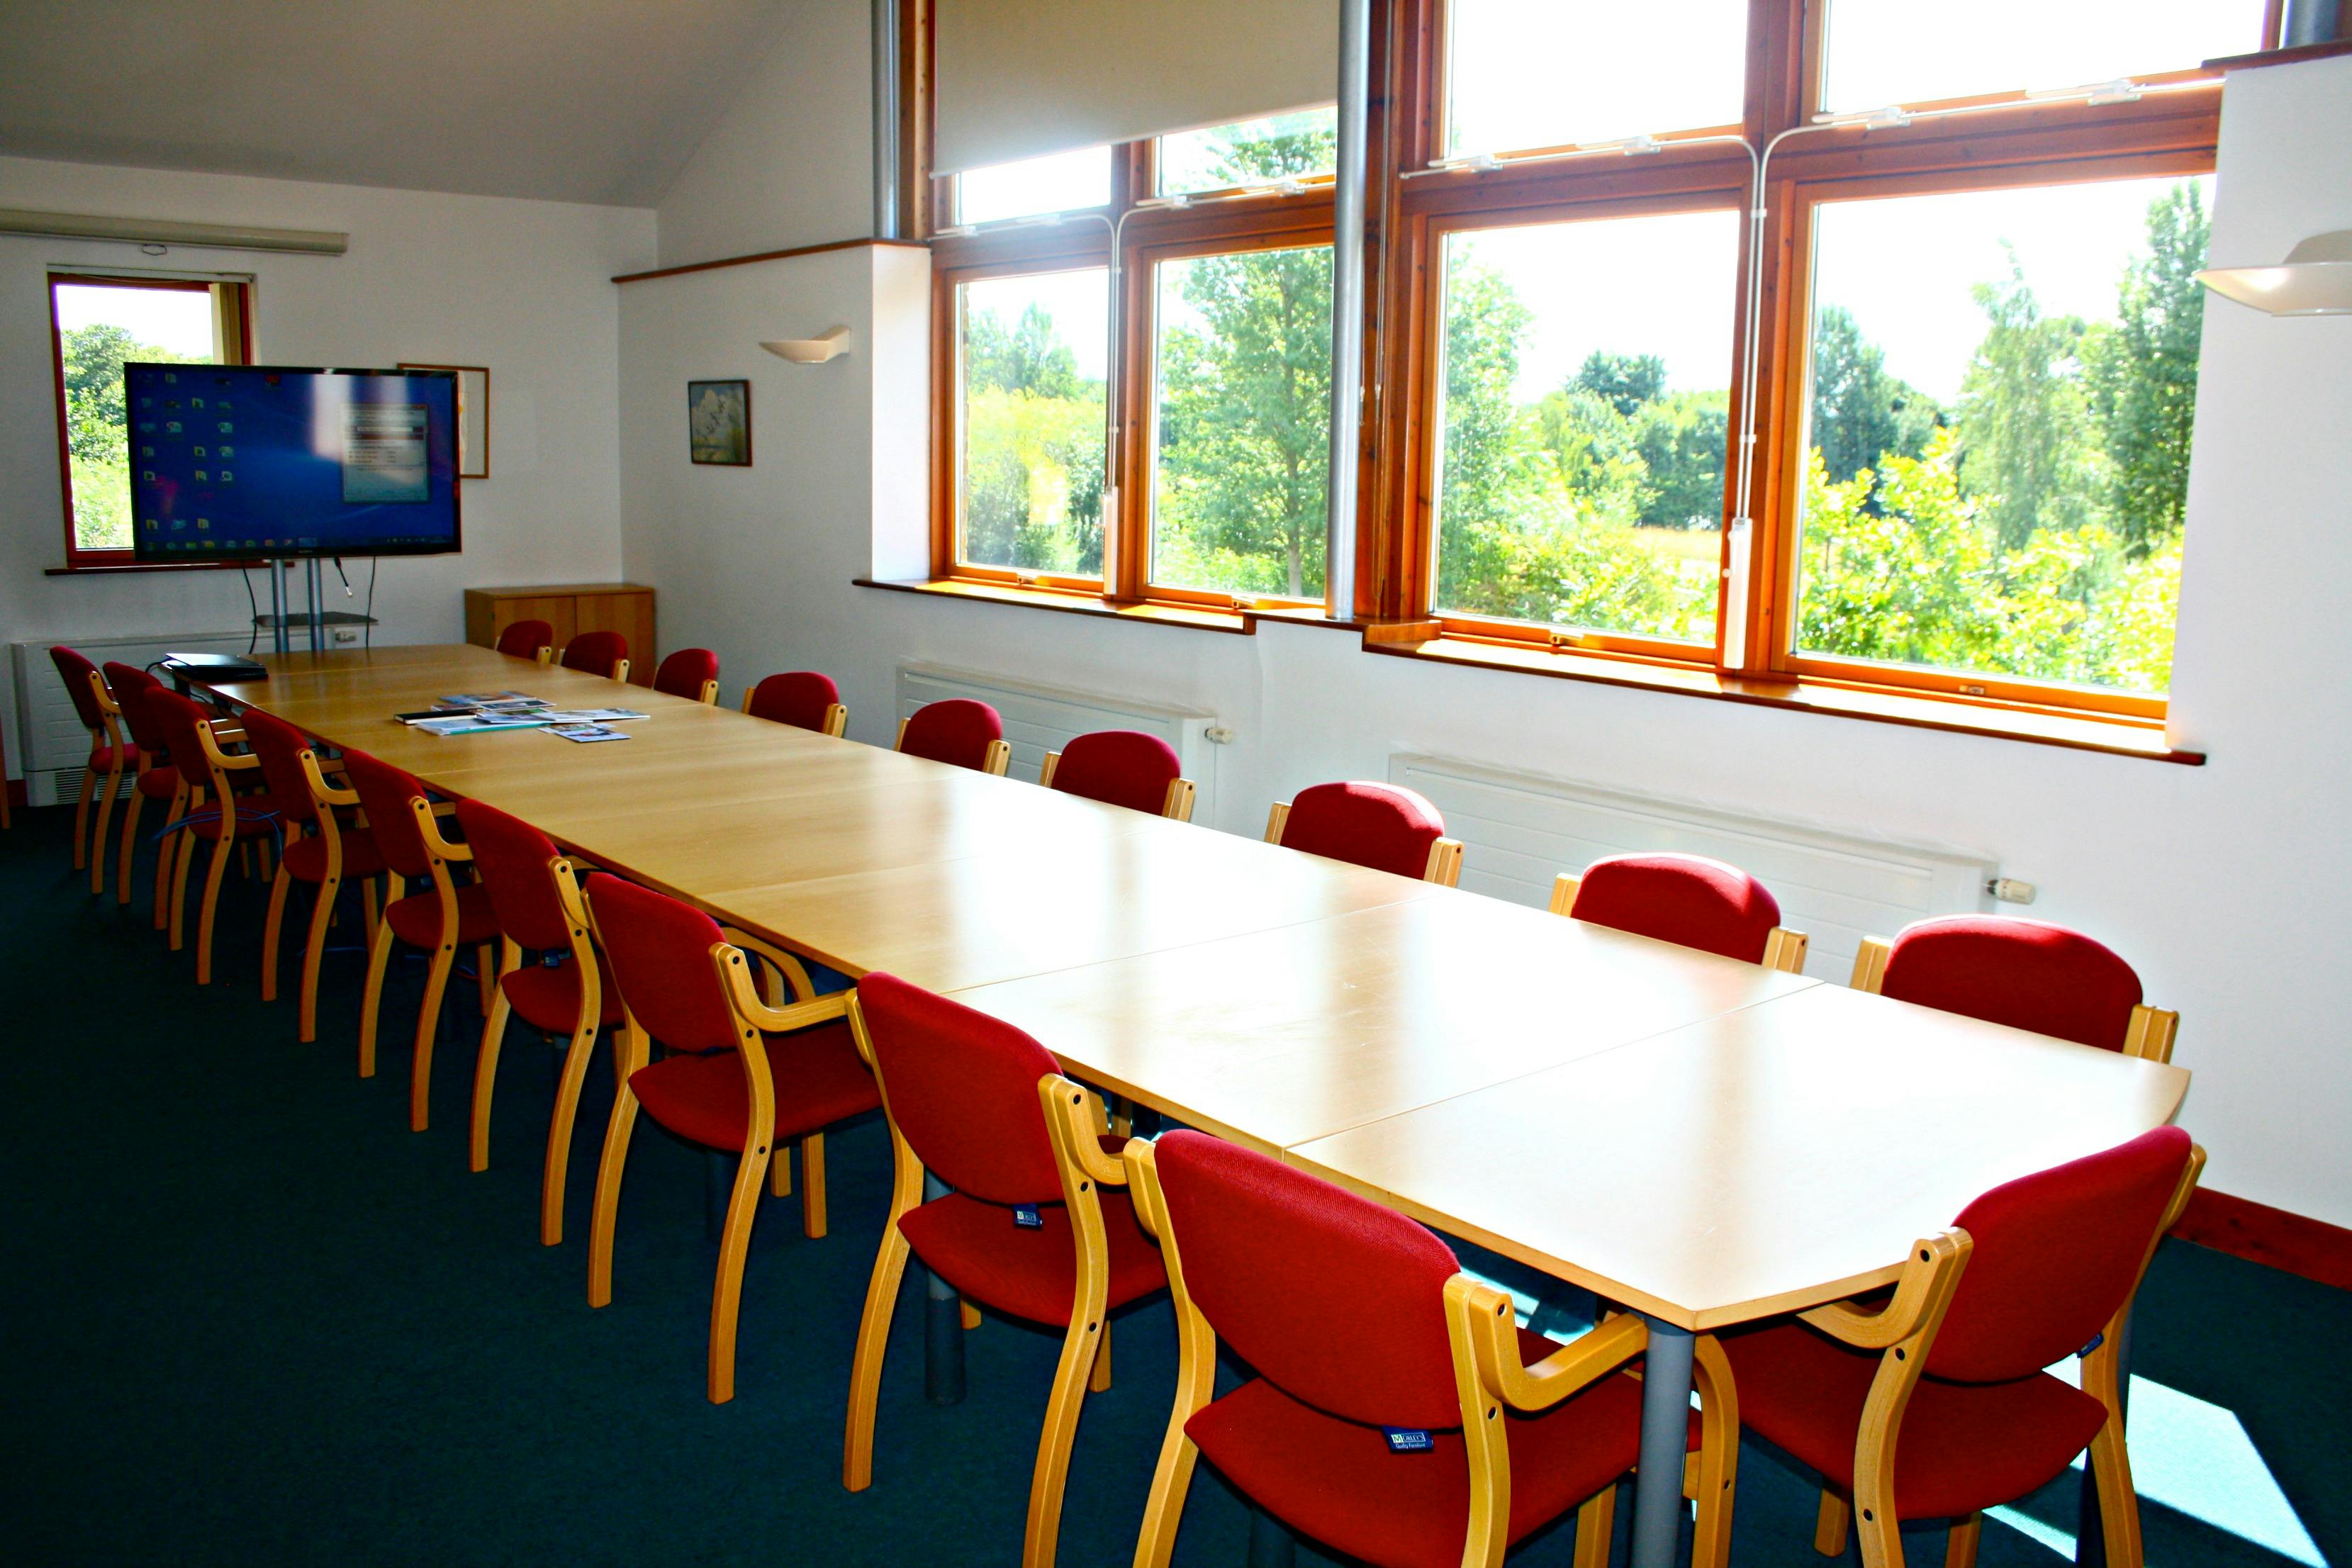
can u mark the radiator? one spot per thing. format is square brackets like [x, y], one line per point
[1041, 719]
[1519, 831]
[48, 743]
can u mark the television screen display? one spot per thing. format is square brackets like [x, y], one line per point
[246, 462]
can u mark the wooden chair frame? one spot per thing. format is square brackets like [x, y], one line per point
[111, 734]
[1177, 805]
[326, 797]
[836, 715]
[1074, 1124]
[440, 854]
[1482, 1331]
[193, 796]
[1784, 949]
[752, 1017]
[135, 804]
[1904, 1330]
[993, 762]
[1444, 867]
[2149, 1036]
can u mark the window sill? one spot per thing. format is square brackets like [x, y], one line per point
[1197, 618]
[2087, 732]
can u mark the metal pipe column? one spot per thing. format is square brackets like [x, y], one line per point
[886, 217]
[1348, 308]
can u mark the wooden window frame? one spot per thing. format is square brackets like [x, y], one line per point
[231, 300]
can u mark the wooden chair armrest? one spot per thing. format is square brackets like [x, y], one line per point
[1178, 805]
[1444, 867]
[1046, 769]
[997, 758]
[788, 964]
[1870, 964]
[735, 968]
[2184, 1191]
[2149, 1037]
[1784, 949]
[1275, 819]
[1563, 892]
[1923, 1291]
[1141, 1161]
[1075, 1113]
[1480, 1318]
[428, 824]
[210, 736]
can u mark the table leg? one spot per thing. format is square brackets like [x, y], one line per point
[1271, 1544]
[2090, 1532]
[942, 1326]
[1665, 1440]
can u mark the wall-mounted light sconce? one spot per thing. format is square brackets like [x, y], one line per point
[811, 351]
[2315, 279]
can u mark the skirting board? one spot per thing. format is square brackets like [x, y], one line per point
[2261, 1234]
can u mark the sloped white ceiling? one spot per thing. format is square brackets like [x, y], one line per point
[581, 100]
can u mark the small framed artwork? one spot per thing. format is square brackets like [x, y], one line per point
[718, 422]
[472, 416]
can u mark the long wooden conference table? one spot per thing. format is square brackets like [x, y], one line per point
[1702, 1141]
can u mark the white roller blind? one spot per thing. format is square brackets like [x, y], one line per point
[1019, 78]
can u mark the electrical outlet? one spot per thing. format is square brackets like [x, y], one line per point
[346, 634]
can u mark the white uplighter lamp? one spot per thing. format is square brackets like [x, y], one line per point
[811, 351]
[2315, 279]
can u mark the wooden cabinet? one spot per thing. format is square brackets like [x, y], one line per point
[571, 608]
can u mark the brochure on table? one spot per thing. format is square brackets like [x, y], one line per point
[476, 713]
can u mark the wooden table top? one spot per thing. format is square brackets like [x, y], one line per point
[1762, 1160]
[1707, 1140]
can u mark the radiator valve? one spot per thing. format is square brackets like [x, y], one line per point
[2011, 890]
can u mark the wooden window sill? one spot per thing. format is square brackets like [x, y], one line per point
[966, 591]
[2088, 732]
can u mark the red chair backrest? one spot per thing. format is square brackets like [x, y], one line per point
[596, 652]
[2056, 1255]
[661, 951]
[511, 858]
[1334, 1298]
[130, 684]
[962, 1087]
[798, 697]
[179, 719]
[281, 746]
[1374, 825]
[685, 672]
[2025, 973]
[384, 794]
[956, 731]
[525, 639]
[77, 671]
[1684, 899]
[1124, 767]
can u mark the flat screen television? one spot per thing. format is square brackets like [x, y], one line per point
[237, 462]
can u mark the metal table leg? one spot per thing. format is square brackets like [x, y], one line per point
[942, 1326]
[2090, 1532]
[1665, 1441]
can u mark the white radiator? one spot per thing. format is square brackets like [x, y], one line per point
[1519, 831]
[49, 744]
[1040, 719]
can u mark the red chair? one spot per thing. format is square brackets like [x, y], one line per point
[691, 673]
[156, 780]
[540, 913]
[1355, 1318]
[320, 849]
[446, 917]
[1688, 900]
[1122, 767]
[212, 810]
[599, 653]
[741, 1076]
[527, 639]
[800, 697]
[958, 732]
[1375, 825]
[2036, 1271]
[111, 753]
[2026, 974]
[1028, 1228]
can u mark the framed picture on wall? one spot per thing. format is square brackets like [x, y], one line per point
[472, 416]
[718, 423]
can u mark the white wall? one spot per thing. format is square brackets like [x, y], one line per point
[522, 287]
[2229, 885]
[790, 163]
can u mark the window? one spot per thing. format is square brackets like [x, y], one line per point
[1242, 422]
[1061, 181]
[1549, 73]
[99, 323]
[1899, 51]
[1299, 147]
[1030, 419]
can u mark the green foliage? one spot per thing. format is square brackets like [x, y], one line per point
[1625, 382]
[1028, 358]
[2142, 374]
[1859, 412]
[96, 429]
[1032, 448]
[2026, 445]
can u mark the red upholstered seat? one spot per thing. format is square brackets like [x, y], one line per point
[546, 997]
[1338, 1481]
[800, 698]
[306, 859]
[1031, 1274]
[102, 758]
[818, 1076]
[2026, 974]
[685, 673]
[1123, 767]
[416, 919]
[1375, 825]
[159, 782]
[2055, 1256]
[523, 639]
[956, 731]
[1684, 899]
[598, 653]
